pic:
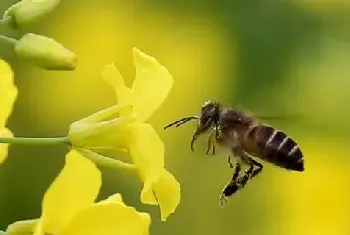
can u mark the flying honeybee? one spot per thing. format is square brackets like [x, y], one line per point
[244, 136]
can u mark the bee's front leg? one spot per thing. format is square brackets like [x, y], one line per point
[211, 141]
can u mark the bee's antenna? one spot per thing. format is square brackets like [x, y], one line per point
[181, 121]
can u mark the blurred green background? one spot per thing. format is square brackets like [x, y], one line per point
[288, 58]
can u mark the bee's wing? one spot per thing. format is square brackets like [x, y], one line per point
[273, 118]
[288, 117]
[290, 120]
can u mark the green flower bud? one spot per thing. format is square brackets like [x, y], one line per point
[28, 11]
[45, 52]
[22, 227]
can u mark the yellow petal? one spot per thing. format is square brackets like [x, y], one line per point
[112, 76]
[167, 192]
[114, 198]
[4, 147]
[152, 84]
[150, 88]
[147, 152]
[109, 217]
[23, 227]
[76, 187]
[8, 92]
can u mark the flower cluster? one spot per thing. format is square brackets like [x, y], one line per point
[69, 205]
[121, 127]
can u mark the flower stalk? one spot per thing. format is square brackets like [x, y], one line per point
[93, 156]
[35, 141]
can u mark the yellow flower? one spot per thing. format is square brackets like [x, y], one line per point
[123, 127]
[68, 207]
[8, 93]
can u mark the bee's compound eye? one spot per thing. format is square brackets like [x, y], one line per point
[204, 119]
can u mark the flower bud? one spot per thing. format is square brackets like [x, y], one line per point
[28, 11]
[22, 227]
[45, 52]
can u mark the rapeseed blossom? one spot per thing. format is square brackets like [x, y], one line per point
[122, 128]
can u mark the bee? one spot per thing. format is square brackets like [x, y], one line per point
[245, 137]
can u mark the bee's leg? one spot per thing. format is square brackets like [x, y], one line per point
[247, 175]
[238, 183]
[229, 158]
[213, 152]
[250, 172]
[259, 167]
[236, 172]
[231, 187]
[211, 142]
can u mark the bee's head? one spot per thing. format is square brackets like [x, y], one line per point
[209, 118]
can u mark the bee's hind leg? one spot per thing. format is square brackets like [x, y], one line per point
[259, 168]
[231, 187]
[250, 173]
[238, 183]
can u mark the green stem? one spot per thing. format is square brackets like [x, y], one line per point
[9, 40]
[105, 161]
[35, 141]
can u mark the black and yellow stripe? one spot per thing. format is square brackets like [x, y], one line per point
[276, 147]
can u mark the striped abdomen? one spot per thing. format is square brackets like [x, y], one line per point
[276, 147]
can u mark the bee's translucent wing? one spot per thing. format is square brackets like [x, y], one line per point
[288, 117]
